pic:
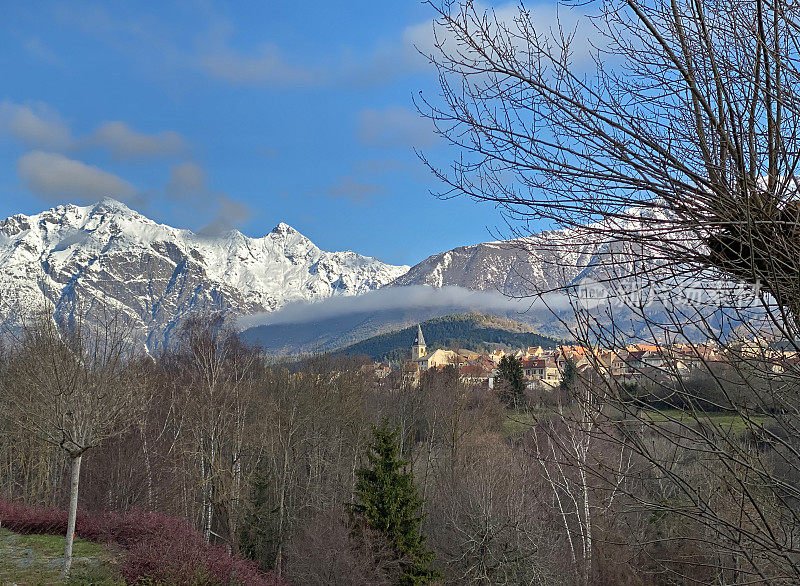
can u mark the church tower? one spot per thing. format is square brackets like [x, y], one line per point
[418, 349]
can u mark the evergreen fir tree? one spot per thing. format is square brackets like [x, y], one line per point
[568, 376]
[257, 534]
[388, 501]
[513, 391]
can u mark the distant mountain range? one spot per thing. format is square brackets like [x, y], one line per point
[80, 257]
[546, 261]
[75, 256]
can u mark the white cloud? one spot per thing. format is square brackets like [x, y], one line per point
[555, 20]
[355, 190]
[125, 142]
[141, 35]
[265, 66]
[54, 176]
[452, 298]
[186, 179]
[228, 214]
[188, 185]
[35, 125]
[409, 53]
[395, 126]
[38, 125]
[219, 53]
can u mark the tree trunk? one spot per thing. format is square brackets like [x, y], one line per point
[281, 514]
[587, 529]
[73, 512]
[147, 468]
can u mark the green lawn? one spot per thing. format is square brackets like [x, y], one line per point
[728, 422]
[37, 559]
[517, 422]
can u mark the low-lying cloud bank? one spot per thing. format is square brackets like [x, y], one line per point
[400, 298]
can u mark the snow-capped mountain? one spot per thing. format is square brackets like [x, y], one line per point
[555, 259]
[590, 268]
[81, 257]
[520, 267]
[156, 274]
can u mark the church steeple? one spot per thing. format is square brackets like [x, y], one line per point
[418, 349]
[420, 341]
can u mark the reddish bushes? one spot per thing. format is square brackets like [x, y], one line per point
[21, 519]
[169, 549]
[157, 547]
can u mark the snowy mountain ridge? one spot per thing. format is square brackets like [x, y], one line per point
[156, 274]
[547, 261]
[80, 257]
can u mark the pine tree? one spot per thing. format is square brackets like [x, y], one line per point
[568, 376]
[257, 534]
[513, 391]
[388, 501]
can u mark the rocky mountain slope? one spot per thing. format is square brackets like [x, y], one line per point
[515, 267]
[555, 259]
[75, 256]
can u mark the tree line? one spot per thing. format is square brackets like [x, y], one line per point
[326, 474]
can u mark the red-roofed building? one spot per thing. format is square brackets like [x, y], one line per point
[543, 370]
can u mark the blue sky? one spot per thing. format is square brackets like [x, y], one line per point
[209, 115]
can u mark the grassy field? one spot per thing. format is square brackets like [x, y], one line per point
[517, 422]
[37, 559]
[725, 422]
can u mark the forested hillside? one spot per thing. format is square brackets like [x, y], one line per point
[471, 331]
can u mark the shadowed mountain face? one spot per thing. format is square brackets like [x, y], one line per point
[156, 275]
[337, 322]
[328, 334]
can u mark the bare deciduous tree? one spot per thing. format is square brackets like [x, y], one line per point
[681, 135]
[217, 390]
[672, 145]
[73, 387]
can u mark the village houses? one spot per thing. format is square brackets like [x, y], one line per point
[544, 368]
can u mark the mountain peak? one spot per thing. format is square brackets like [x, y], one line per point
[283, 228]
[288, 236]
[109, 204]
